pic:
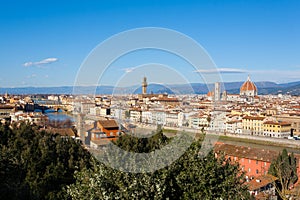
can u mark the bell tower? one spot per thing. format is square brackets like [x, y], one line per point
[144, 85]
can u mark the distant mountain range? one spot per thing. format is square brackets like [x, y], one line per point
[292, 88]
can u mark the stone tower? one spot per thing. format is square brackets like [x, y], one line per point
[217, 92]
[224, 96]
[144, 86]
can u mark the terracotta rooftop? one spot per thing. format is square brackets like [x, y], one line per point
[233, 121]
[254, 118]
[210, 94]
[108, 123]
[260, 182]
[248, 86]
[246, 152]
[168, 99]
[6, 107]
[278, 123]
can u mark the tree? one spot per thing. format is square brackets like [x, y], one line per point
[208, 177]
[37, 165]
[127, 114]
[208, 119]
[285, 169]
[190, 177]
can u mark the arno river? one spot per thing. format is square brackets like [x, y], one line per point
[59, 116]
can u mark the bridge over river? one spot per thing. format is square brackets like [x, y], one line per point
[51, 104]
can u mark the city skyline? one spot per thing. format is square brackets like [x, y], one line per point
[45, 43]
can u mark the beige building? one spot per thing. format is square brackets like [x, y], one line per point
[277, 129]
[198, 121]
[294, 120]
[253, 125]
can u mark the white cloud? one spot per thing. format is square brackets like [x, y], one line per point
[128, 70]
[222, 70]
[40, 63]
[27, 64]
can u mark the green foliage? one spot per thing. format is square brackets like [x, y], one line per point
[127, 113]
[38, 165]
[284, 167]
[35, 164]
[142, 145]
[107, 183]
[209, 177]
[189, 177]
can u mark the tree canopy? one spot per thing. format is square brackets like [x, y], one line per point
[285, 169]
[35, 164]
[189, 177]
[39, 165]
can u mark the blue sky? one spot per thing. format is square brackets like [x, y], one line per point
[43, 43]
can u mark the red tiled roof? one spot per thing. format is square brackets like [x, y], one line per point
[254, 118]
[234, 121]
[210, 94]
[6, 107]
[261, 181]
[108, 123]
[246, 152]
[248, 86]
[167, 99]
[278, 123]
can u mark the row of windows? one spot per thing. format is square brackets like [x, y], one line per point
[278, 131]
[249, 161]
[272, 126]
[253, 128]
[271, 130]
[256, 171]
[267, 130]
[101, 135]
[259, 125]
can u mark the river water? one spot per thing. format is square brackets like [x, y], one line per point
[59, 116]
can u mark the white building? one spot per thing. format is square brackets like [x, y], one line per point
[218, 121]
[95, 111]
[83, 107]
[159, 117]
[147, 117]
[135, 115]
[234, 126]
[172, 119]
[198, 121]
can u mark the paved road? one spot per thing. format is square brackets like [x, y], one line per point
[291, 145]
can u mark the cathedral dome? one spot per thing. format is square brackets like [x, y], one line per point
[248, 86]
